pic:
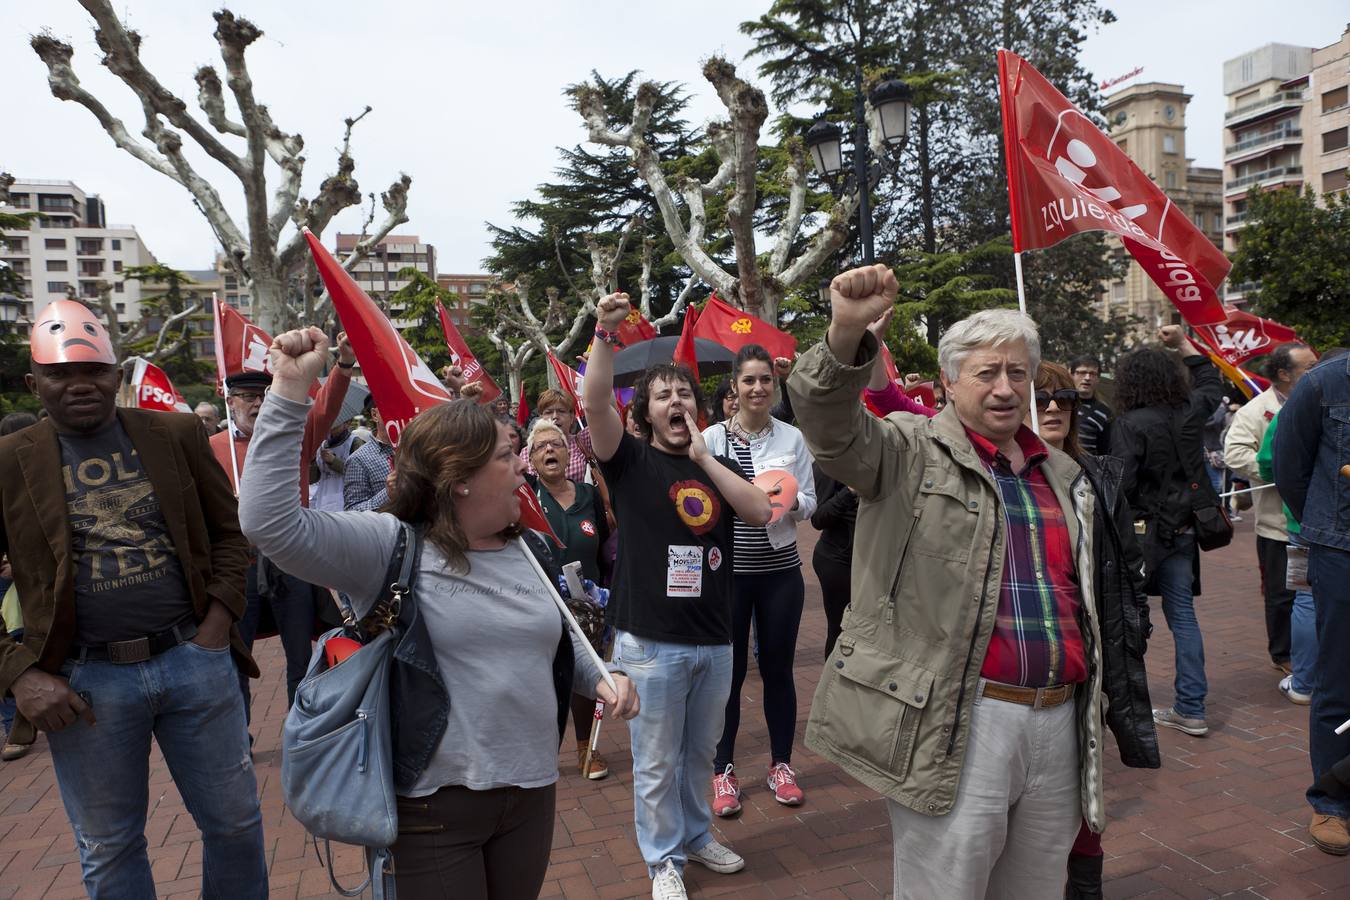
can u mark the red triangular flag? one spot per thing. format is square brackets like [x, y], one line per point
[400, 382]
[1065, 176]
[523, 409]
[686, 354]
[462, 356]
[1242, 336]
[570, 381]
[532, 514]
[241, 346]
[892, 373]
[733, 329]
[153, 389]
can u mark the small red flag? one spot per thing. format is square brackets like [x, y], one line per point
[1243, 336]
[570, 381]
[523, 409]
[635, 329]
[462, 356]
[399, 380]
[1065, 176]
[154, 390]
[733, 329]
[923, 393]
[532, 514]
[686, 355]
[241, 346]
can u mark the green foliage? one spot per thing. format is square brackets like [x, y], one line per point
[945, 287]
[418, 299]
[1299, 254]
[1064, 296]
[164, 296]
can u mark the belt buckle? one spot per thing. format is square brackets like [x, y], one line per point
[133, 651]
[1040, 699]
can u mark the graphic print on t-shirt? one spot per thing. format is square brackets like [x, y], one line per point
[696, 504]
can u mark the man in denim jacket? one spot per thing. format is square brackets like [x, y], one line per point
[1312, 473]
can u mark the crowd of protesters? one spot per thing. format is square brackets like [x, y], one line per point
[986, 564]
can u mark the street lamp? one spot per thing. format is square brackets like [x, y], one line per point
[891, 101]
[824, 140]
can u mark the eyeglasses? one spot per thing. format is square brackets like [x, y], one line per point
[248, 398]
[548, 445]
[1064, 399]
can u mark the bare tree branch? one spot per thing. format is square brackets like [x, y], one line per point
[159, 352]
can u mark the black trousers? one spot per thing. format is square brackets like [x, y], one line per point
[474, 845]
[835, 585]
[1272, 557]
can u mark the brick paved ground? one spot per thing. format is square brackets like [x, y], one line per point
[1225, 816]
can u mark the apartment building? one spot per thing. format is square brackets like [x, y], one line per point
[472, 290]
[1286, 125]
[69, 244]
[377, 274]
[1148, 122]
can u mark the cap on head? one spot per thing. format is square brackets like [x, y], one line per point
[248, 380]
[68, 332]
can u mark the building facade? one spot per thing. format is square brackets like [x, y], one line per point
[70, 245]
[378, 273]
[1148, 122]
[472, 290]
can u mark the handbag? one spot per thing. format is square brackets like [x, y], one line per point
[337, 775]
[1208, 519]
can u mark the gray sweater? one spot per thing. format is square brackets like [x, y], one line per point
[494, 629]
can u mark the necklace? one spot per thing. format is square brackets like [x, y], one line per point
[748, 437]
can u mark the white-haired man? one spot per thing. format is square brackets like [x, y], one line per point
[966, 685]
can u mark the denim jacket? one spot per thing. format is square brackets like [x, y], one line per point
[1312, 450]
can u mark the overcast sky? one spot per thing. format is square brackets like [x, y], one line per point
[468, 96]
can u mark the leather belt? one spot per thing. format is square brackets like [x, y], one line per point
[137, 649]
[1036, 698]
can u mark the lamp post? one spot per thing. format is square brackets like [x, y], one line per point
[824, 141]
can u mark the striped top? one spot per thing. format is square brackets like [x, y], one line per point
[754, 554]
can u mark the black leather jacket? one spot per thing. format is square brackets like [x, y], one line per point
[419, 700]
[1122, 611]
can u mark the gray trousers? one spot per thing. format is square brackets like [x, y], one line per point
[1016, 815]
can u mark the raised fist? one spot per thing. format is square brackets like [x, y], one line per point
[782, 367]
[860, 296]
[611, 311]
[1173, 337]
[299, 355]
[471, 391]
[453, 376]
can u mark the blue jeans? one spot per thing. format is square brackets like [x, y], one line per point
[292, 603]
[684, 689]
[1303, 642]
[1329, 572]
[185, 698]
[1174, 580]
[7, 707]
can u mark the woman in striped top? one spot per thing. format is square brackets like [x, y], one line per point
[768, 576]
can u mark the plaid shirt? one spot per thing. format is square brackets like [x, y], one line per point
[578, 456]
[364, 483]
[1036, 641]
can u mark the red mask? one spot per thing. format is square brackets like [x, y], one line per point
[67, 332]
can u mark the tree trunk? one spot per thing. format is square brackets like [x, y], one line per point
[270, 312]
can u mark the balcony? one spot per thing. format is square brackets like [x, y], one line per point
[1264, 106]
[88, 248]
[1276, 137]
[1233, 221]
[1280, 173]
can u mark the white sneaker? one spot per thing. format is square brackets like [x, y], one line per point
[1287, 688]
[722, 860]
[667, 883]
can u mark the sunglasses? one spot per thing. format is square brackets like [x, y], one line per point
[1064, 399]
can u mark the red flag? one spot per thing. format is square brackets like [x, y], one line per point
[399, 381]
[892, 373]
[1065, 176]
[733, 329]
[635, 329]
[153, 390]
[923, 393]
[462, 356]
[522, 409]
[1242, 336]
[570, 381]
[532, 514]
[241, 346]
[686, 355]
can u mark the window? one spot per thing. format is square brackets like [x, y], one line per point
[88, 289]
[117, 265]
[1169, 143]
[1123, 144]
[116, 244]
[20, 201]
[478, 288]
[1170, 178]
[88, 247]
[119, 288]
[121, 307]
[1335, 99]
[1117, 292]
[13, 244]
[1218, 221]
[55, 243]
[1334, 140]
[57, 265]
[1333, 181]
[56, 287]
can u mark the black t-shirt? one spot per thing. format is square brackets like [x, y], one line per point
[672, 581]
[128, 580]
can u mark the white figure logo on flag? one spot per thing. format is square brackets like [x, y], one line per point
[253, 354]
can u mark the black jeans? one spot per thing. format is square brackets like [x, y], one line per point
[775, 601]
[1272, 557]
[835, 579]
[474, 845]
[292, 604]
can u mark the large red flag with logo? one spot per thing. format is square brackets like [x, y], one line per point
[400, 382]
[635, 329]
[1065, 176]
[462, 356]
[153, 389]
[241, 346]
[1242, 336]
[733, 329]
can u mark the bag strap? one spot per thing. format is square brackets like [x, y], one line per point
[398, 579]
[379, 871]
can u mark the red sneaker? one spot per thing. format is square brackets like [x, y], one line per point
[783, 783]
[726, 793]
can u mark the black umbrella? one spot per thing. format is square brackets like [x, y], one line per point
[631, 362]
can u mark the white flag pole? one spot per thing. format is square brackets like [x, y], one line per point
[567, 614]
[220, 370]
[1022, 305]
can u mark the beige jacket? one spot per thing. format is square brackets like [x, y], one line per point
[1239, 454]
[894, 703]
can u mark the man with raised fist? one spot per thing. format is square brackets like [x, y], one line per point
[966, 684]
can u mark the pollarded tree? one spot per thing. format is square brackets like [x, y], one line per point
[256, 252]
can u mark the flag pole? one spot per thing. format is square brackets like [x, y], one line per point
[567, 614]
[220, 369]
[1007, 112]
[1022, 306]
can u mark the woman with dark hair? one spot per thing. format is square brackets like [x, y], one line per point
[723, 402]
[768, 576]
[1157, 436]
[1122, 606]
[475, 777]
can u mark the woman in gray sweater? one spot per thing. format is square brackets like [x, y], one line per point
[478, 820]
